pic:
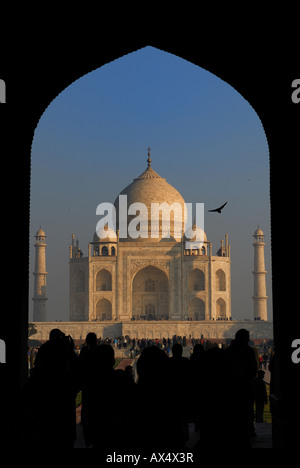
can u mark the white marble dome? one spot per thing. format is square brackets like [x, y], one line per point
[105, 234]
[150, 188]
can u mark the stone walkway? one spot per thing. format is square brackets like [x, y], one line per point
[267, 376]
[124, 363]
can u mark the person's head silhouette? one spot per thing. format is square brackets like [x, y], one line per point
[105, 357]
[242, 336]
[91, 339]
[177, 350]
[56, 335]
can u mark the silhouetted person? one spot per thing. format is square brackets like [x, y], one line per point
[87, 368]
[180, 364]
[275, 394]
[260, 396]
[111, 404]
[49, 396]
[180, 380]
[154, 403]
[197, 368]
[197, 361]
[244, 366]
[218, 411]
[129, 371]
[198, 352]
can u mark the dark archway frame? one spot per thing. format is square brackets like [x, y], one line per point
[34, 77]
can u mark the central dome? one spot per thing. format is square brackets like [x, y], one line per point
[150, 188]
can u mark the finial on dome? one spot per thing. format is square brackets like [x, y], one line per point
[149, 159]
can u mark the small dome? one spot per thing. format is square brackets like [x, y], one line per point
[105, 234]
[258, 232]
[195, 233]
[40, 233]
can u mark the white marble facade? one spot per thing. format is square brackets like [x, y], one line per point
[150, 279]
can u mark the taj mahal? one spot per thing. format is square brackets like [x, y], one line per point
[151, 286]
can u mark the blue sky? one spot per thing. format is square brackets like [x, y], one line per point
[205, 139]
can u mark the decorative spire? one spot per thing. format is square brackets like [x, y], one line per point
[149, 159]
[149, 173]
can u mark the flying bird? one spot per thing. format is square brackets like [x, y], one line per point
[218, 210]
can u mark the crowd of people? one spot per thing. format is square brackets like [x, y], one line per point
[214, 388]
[137, 345]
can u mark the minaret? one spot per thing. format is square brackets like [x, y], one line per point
[260, 297]
[40, 292]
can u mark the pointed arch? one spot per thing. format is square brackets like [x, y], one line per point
[103, 310]
[104, 251]
[196, 309]
[103, 280]
[150, 294]
[221, 309]
[196, 280]
[220, 280]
